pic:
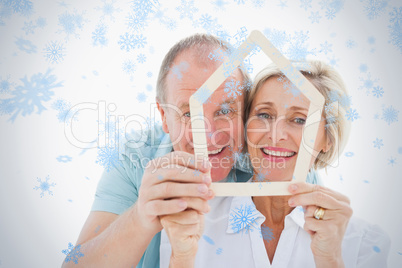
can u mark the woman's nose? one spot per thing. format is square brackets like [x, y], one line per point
[278, 130]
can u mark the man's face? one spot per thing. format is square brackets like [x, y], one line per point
[222, 112]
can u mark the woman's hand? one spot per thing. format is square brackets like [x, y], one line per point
[326, 233]
[184, 229]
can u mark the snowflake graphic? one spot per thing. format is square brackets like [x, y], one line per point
[64, 158]
[363, 68]
[371, 40]
[171, 24]
[54, 52]
[243, 218]
[233, 88]
[41, 22]
[315, 17]
[187, 9]
[206, 21]
[149, 74]
[202, 94]
[137, 22]
[368, 83]
[23, 7]
[298, 46]
[141, 97]
[145, 6]
[378, 143]
[99, 35]
[392, 161]
[258, 3]
[108, 157]
[282, 4]
[44, 186]
[32, 93]
[160, 177]
[29, 27]
[70, 23]
[330, 14]
[219, 5]
[73, 253]
[127, 42]
[352, 115]
[196, 173]
[220, 250]
[378, 92]
[240, 2]
[374, 8]
[5, 85]
[350, 43]
[141, 58]
[108, 9]
[326, 47]
[395, 27]
[64, 113]
[25, 45]
[177, 69]
[266, 233]
[129, 67]
[305, 4]
[390, 114]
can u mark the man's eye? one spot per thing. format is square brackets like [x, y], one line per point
[225, 111]
[299, 121]
[187, 114]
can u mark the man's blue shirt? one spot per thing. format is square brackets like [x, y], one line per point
[118, 188]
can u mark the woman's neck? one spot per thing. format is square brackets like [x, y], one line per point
[274, 208]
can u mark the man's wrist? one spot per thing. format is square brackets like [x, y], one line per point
[138, 223]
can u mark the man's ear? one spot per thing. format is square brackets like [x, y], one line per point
[163, 116]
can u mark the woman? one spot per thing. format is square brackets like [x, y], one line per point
[312, 227]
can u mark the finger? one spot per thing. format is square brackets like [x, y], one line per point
[317, 198]
[198, 204]
[303, 187]
[310, 210]
[183, 159]
[187, 217]
[169, 190]
[165, 207]
[319, 226]
[181, 174]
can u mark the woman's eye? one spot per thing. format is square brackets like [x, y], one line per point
[264, 116]
[299, 121]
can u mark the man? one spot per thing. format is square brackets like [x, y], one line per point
[123, 228]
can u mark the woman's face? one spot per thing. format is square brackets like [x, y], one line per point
[274, 130]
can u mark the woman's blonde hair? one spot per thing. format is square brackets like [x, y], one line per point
[330, 84]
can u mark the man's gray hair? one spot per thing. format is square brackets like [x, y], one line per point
[204, 44]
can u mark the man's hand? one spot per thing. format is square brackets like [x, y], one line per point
[172, 184]
[184, 229]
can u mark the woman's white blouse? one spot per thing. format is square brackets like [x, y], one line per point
[233, 238]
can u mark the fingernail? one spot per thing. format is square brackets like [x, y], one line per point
[291, 202]
[210, 193]
[206, 179]
[293, 187]
[202, 189]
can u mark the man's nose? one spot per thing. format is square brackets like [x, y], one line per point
[279, 130]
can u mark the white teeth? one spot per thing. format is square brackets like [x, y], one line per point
[217, 151]
[278, 153]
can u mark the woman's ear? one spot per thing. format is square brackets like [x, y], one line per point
[163, 116]
[328, 144]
